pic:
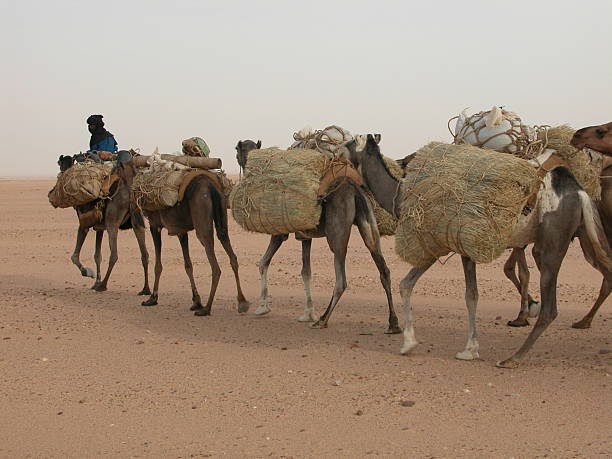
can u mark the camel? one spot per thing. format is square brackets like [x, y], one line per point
[530, 307]
[562, 210]
[598, 138]
[202, 205]
[345, 206]
[116, 215]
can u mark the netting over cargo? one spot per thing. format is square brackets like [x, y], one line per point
[279, 191]
[463, 199]
[80, 184]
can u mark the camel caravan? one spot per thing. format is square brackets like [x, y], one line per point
[497, 185]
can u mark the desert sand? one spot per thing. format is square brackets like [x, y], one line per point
[87, 374]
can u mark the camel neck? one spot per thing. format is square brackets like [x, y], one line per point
[380, 182]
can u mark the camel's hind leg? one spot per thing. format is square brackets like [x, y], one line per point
[157, 243]
[243, 304]
[308, 315]
[75, 258]
[275, 243]
[604, 292]
[195, 296]
[406, 287]
[112, 259]
[204, 232]
[139, 232]
[471, 300]
[529, 307]
[98, 257]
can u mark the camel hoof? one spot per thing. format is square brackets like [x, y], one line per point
[88, 272]
[262, 310]
[202, 312]
[534, 309]
[152, 301]
[144, 291]
[319, 324]
[467, 355]
[393, 330]
[509, 363]
[582, 324]
[306, 317]
[196, 307]
[243, 306]
[518, 323]
[408, 347]
[99, 287]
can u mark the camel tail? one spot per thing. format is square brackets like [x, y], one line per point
[595, 230]
[219, 213]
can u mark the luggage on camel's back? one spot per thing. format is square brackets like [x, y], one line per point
[462, 199]
[81, 184]
[282, 190]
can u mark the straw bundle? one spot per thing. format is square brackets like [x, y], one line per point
[387, 223]
[585, 169]
[157, 188]
[80, 184]
[199, 162]
[460, 198]
[279, 191]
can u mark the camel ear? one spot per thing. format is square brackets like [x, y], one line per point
[259, 144]
[377, 138]
[239, 144]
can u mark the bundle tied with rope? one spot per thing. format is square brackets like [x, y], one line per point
[462, 199]
[81, 184]
[329, 141]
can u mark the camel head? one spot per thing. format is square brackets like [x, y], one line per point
[598, 138]
[362, 146]
[242, 150]
[126, 171]
[65, 162]
[405, 161]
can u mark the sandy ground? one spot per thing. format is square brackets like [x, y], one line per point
[86, 374]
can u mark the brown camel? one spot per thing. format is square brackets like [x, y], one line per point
[116, 215]
[202, 205]
[598, 138]
[345, 206]
[529, 307]
[562, 210]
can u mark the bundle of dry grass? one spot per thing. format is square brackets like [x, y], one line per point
[279, 191]
[80, 184]
[585, 169]
[189, 161]
[387, 223]
[157, 188]
[463, 199]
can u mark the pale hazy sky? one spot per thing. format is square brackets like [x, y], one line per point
[163, 71]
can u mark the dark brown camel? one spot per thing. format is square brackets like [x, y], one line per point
[345, 206]
[116, 215]
[202, 205]
[598, 138]
[529, 307]
[562, 210]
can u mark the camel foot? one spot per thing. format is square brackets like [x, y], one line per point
[509, 363]
[202, 312]
[307, 317]
[582, 324]
[393, 330]
[263, 309]
[196, 306]
[319, 324]
[99, 287]
[467, 355]
[87, 272]
[152, 301]
[534, 309]
[518, 323]
[243, 306]
[144, 291]
[407, 347]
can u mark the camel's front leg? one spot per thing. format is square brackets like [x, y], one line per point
[406, 287]
[275, 243]
[471, 301]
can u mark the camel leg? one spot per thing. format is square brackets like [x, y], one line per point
[338, 234]
[548, 252]
[371, 238]
[98, 257]
[529, 307]
[204, 232]
[75, 258]
[139, 232]
[471, 301]
[308, 315]
[243, 304]
[157, 242]
[112, 259]
[406, 287]
[195, 296]
[604, 292]
[275, 243]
